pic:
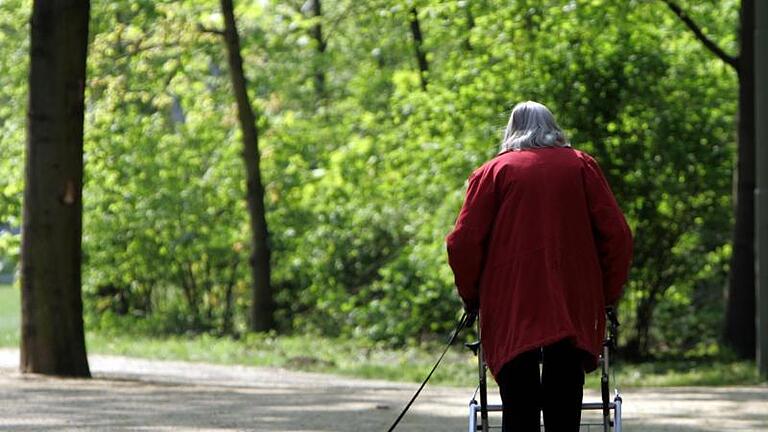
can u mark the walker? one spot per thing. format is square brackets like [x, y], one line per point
[609, 412]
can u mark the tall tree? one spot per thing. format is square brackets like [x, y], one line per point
[320, 45]
[470, 25]
[418, 46]
[52, 339]
[262, 306]
[739, 330]
[761, 138]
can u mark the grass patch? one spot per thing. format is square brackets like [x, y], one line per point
[10, 316]
[698, 372]
[358, 358]
[361, 359]
[305, 353]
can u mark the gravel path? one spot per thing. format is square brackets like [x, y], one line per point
[129, 394]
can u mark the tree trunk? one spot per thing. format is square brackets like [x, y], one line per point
[418, 43]
[470, 25]
[761, 147]
[317, 34]
[262, 305]
[52, 338]
[638, 345]
[740, 309]
[227, 325]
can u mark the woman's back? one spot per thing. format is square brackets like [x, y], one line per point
[541, 247]
[533, 217]
[541, 202]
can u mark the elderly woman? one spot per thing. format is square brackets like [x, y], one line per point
[541, 248]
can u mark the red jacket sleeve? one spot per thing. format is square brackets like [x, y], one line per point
[467, 242]
[613, 237]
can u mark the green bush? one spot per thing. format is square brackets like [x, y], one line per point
[363, 182]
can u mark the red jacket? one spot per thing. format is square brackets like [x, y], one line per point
[542, 246]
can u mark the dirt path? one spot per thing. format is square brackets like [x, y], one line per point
[147, 395]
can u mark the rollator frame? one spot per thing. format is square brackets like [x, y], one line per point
[608, 423]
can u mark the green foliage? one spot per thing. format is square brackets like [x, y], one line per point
[164, 225]
[10, 316]
[14, 44]
[364, 181]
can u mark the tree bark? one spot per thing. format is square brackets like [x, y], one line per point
[52, 337]
[470, 25]
[321, 45]
[638, 346]
[262, 305]
[418, 46]
[227, 325]
[761, 198]
[740, 308]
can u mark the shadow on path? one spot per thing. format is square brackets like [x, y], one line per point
[134, 395]
[36, 403]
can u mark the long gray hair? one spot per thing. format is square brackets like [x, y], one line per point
[532, 125]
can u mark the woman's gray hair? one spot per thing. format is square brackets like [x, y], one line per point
[532, 125]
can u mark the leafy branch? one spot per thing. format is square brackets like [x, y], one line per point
[733, 61]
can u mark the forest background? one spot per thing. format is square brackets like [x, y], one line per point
[371, 116]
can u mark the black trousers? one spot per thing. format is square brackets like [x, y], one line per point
[558, 391]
